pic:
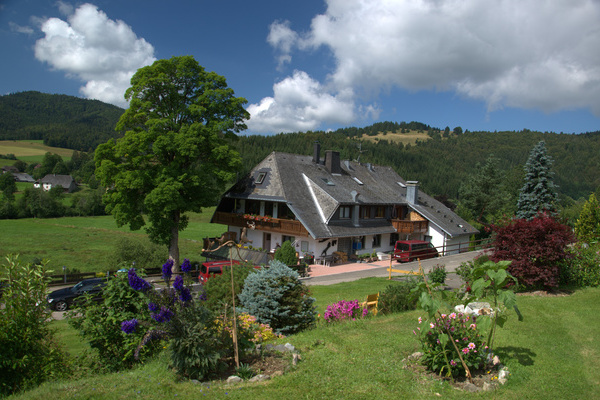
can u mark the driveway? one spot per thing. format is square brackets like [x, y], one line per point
[322, 275]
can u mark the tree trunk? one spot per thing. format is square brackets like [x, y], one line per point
[174, 244]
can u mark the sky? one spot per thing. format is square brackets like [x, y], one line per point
[320, 65]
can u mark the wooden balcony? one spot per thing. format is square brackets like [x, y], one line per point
[279, 225]
[408, 227]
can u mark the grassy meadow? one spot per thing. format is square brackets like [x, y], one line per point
[88, 243]
[553, 354]
[31, 150]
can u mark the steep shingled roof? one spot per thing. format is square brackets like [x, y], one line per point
[314, 194]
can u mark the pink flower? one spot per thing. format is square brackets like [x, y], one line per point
[471, 345]
[453, 315]
[472, 326]
[431, 325]
[420, 320]
[443, 315]
[465, 350]
[453, 363]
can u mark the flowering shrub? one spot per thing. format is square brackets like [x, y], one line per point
[440, 354]
[249, 331]
[343, 310]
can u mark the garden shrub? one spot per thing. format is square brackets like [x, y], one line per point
[536, 247]
[277, 297]
[344, 310]
[465, 269]
[143, 254]
[437, 274]
[286, 254]
[440, 353]
[29, 354]
[218, 287]
[100, 324]
[587, 227]
[398, 297]
[583, 269]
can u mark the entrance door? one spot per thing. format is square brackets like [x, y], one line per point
[345, 245]
[267, 241]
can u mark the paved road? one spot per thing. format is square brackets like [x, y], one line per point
[451, 262]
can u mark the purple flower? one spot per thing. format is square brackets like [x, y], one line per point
[129, 326]
[164, 315]
[136, 282]
[153, 307]
[178, 283]
[166, 269]
[186, 266]
[185, 295]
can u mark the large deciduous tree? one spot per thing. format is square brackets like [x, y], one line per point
[538, 194]
[175, 155]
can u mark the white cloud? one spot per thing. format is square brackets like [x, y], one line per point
[20, 29]
[95, 49]
[299, 103]
[535, 54]
[282, 38]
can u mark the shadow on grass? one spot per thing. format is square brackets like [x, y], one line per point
[521, 354]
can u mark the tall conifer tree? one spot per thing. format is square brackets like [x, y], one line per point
[538, 194]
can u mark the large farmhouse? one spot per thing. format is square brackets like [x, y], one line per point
[53, 180]
[329, 205]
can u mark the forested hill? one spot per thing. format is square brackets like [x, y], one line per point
[440, 159]
[441, 163]
[58, 120]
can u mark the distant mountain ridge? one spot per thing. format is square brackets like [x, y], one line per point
[57, 119]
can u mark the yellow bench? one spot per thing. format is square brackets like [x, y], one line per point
[371, 303]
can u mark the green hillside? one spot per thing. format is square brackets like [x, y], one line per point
[58, 120]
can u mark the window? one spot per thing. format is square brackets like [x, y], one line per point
[345, 212]
[376, 241]
[261, 177]
[285, 238]
[365, 212]
[380, 212]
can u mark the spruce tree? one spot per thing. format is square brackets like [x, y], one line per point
[538, 194]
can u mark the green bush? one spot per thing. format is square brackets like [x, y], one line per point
[29, 354]
[277, 297]
[465, 270]
[583, 269]
[141, 253]
[398, 297]
[218, 288]
[100, 324]
[286, 254]
[438, 274]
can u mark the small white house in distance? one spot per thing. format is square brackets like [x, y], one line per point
[328, 205]
[52, 180]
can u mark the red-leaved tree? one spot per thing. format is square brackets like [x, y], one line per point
[536, 247]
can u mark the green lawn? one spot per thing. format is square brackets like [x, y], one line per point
[87, 243]
[553, 354]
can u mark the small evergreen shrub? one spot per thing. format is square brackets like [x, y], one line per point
[399, 297]
[438, 274]
[286, 254]
[277, 297]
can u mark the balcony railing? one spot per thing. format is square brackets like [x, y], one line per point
[403, 226]
[280, 225]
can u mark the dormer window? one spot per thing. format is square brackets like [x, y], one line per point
[261, 177]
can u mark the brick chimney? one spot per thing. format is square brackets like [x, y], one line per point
[332, 162]
[412, 192]
[317, 152]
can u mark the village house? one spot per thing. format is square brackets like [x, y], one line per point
[53, 180]
[328, 205]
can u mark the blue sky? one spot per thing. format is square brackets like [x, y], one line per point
[318, 65]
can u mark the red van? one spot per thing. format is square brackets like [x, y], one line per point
[410, 250]
[212, 268]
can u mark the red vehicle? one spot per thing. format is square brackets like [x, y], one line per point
[212, 268]
[410, 250]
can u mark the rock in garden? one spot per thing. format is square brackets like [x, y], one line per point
[469, 387]
[260, 378]
[234, 379]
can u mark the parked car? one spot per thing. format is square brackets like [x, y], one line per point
[212, 268]
[62, 299]
[410, 250]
